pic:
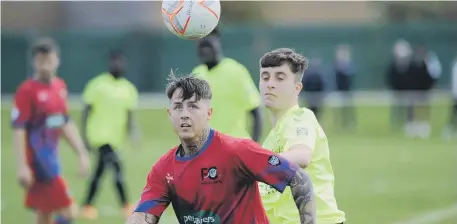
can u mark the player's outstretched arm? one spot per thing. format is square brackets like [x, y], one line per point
[132, 127]
[142, 218]
[84, 119]
[303, 194]
[265, 166]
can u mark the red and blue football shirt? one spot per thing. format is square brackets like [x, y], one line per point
[41, 109]
[218, 184]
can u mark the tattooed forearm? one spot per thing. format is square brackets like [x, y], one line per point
[303, 194]
[142, 218]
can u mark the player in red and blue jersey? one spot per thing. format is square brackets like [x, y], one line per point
[39, 117]
[211, 177]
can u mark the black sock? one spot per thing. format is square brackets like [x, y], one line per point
[92, 191]
[93, 187]
[119, 177]
[121, 191]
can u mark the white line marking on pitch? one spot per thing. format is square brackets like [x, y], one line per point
[433, 216]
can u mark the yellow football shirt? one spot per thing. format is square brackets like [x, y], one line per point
[234, 96]
[300, 126]
[110, 101]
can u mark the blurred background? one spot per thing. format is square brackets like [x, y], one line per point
[392, 133]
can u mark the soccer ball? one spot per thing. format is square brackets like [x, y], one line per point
[191, 19]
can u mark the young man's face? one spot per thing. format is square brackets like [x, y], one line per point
[209, 49]
[278, 87]
[46, 64]
[343, 54]
[189, 117]
[402, 50]
[117, 64]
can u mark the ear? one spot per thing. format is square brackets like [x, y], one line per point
[58, 62]
[298, 87]
[168, 111]
[56, 58]
[210, 113]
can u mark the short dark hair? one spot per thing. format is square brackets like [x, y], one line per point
[297, 62]
[190, 86]
[215, 32]
[44, 46]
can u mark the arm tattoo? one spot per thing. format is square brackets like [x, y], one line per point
[151, 219]
[143, 218]
[303, 194]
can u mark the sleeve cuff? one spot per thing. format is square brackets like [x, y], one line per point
[67, 118]
[290, 171]
[18, 125]
[146, 206]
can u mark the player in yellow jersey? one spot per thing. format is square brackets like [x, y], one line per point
[235, 95]
[110, 100]
[296, 135]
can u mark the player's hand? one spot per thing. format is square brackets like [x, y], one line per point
[135, 137]
[84, 165]
[25, 177]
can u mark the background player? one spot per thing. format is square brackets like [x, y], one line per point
[314, 86]
[107, 119]
[231, 105]
[345, 73]
[451, 130]
[297, 135]
[39, 117]
[192, 175]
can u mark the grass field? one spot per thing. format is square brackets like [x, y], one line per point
[381, 177]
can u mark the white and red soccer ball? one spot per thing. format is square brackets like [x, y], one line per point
[191, 19]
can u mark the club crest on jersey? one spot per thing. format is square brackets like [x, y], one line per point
[42, 96]
[169, 178]
[210, 176]
[274, 160]
[302, 131]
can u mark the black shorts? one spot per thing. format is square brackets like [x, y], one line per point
[107, 155]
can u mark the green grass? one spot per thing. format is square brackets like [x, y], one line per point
[381, 177]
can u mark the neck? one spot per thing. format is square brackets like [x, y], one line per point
[116, 74]
[192, 146]
[211, 65]
[276, 114]
[214, 63]
[44, 78]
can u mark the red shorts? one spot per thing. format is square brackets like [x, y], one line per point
[49, 196]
